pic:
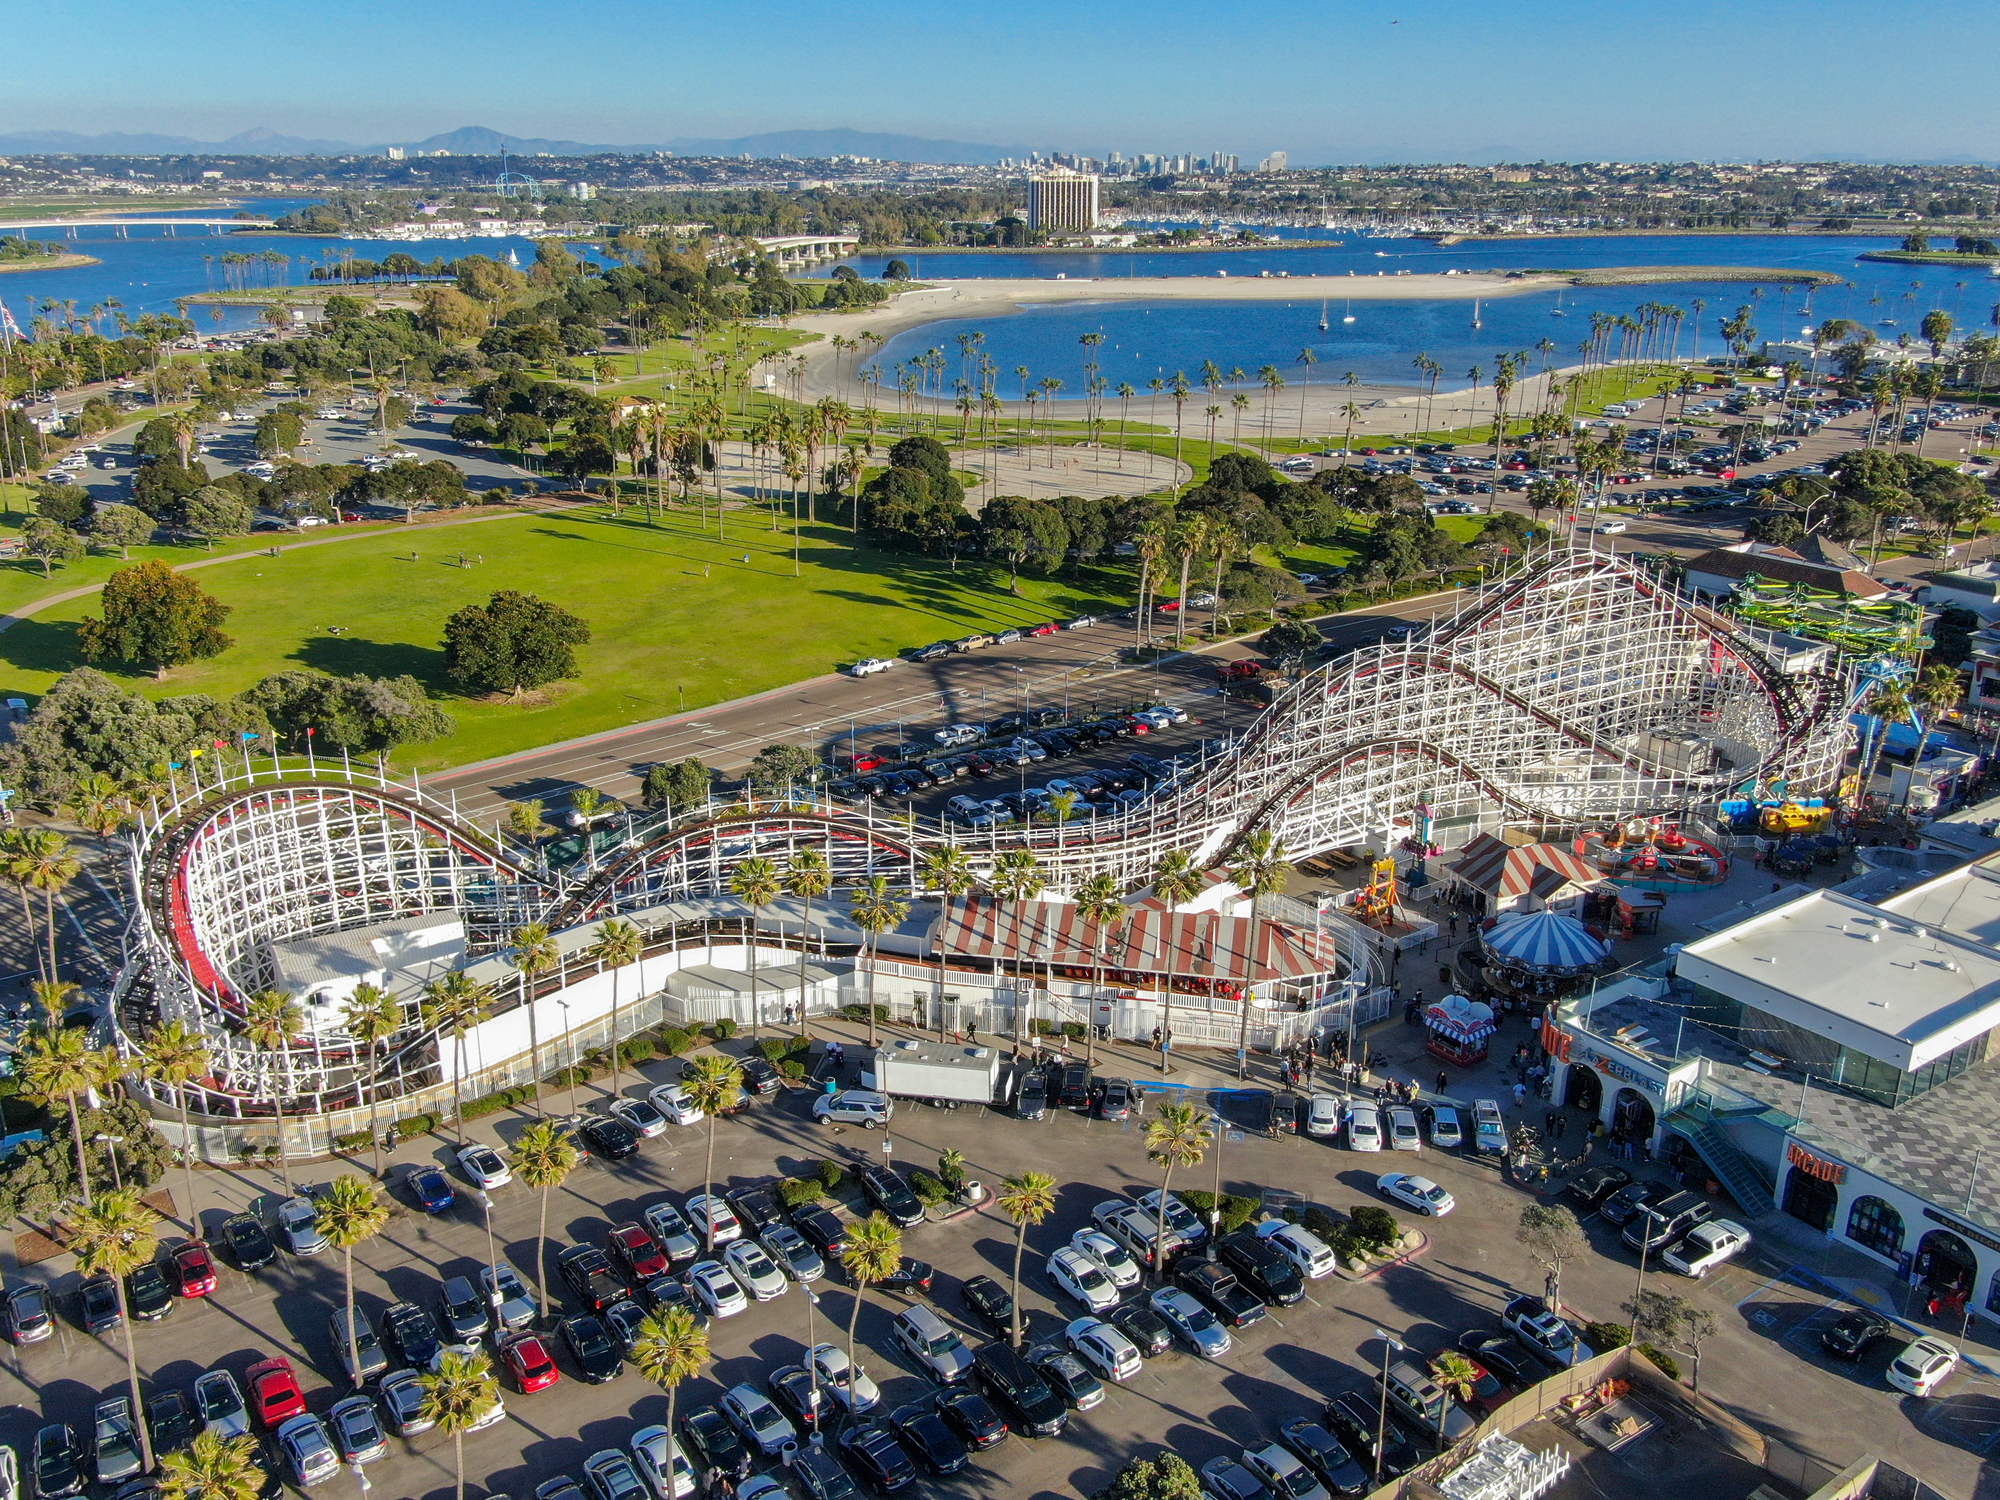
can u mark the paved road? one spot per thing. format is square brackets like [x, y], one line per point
[1763, 1366]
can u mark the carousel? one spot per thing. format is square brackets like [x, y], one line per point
[1459, 1030]
[1541, 953]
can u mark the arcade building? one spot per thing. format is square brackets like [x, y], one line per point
[1829, 1059]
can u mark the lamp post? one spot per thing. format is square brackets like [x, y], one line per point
[569, 1049]
[812, 1369]
[485, 1200]
[1216, 1125]
[1382, 1400]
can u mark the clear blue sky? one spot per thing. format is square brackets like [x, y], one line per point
[1338, 81]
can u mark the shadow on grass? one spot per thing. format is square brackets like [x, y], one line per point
[38, 645]
[347, 656]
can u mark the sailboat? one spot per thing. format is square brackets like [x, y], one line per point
[1322, 315]
[1475, 312]
[1559, 311]
[1348, 316]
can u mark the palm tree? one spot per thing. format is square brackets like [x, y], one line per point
[756, 885]
[213, 1467]
[671, 1347]
[349, 1212]
[544, 1156]
[452, 1006]
[47, 863]
[1176, 1137]
[534, 954]
[1937, 688]
[14, 864]
[1261, 870]
[271, 1020]
[1098, 903]
[1027, 1199]
[113, 1237]
[1018, 877]
[1177, 879]
[456, 1395]
[175, 1054]
[948, 872]
[371, 1016]
[618, 944]
[807, 875]
[59, 1063]
[712, 1084]
[875, 911]
[1454, 1372]
[98, 803]
[874, 1251]
[1889, 703]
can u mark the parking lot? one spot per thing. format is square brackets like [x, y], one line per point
[1763, 1365]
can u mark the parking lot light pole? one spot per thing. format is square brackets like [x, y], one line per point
[1382, 1400]
[1217, 1126]
[492, 1260]
[812, 1369]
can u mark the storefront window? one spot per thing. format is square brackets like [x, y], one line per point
[1874, 1225]
[1810, 1199]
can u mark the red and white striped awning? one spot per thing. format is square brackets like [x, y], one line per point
[1147, 940]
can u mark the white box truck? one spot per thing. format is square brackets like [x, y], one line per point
[936, 1074]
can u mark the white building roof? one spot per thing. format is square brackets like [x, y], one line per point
[1877, 979]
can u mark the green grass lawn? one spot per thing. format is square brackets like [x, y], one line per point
[670, 609]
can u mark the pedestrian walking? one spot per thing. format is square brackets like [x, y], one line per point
[1520, 1095]
[1442, 1081]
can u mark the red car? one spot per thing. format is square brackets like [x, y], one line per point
[1169, 607]
[530, 1362]
[194, 1269]
[1488, 1394]
[1139, 726]
[639, 1251]
[274, 1391]
[1049, 629]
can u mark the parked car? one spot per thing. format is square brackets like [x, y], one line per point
[192, 1269]
[429, 1189]
[1855, 1333]
[1424, 1405]
[760, 1423]
[1192, 1323]
[848, 1384]
[409, 1329]
[147, 1296]
[97, 1305]
[1593, 1185]
[1414, 1192]
[754, 1269]
[923, 1432]
[1707, 1246]
[274, 1391]
[1103, 1348]
[1542, 1332]
[527, 1358]
[1148, 1331]
[218, 1403]
[1082, 1279]
[356, 1431]
[56, 1459]
[988, 1302]
[485, 1166]
[716, 1289]
[1364, 1128]
[931, 1344]
[1922, 1367]
[887, 1190]
[307, 1451]
[592, 1347]
[1212, 1283]
[298, 1227]
[249, 1245]
[114, 1441]
[872, 1450]
[1017, 1388]
[1308, 1253]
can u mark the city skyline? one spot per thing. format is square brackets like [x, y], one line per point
[1444, 82]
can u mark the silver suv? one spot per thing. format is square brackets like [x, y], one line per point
[854, 1107]
[927, 1339]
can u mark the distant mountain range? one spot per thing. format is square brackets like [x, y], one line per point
[478, 140]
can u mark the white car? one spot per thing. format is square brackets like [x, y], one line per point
[1109, 1255]
[1419, 1193]
[671, 1100]
[1323, 1115]
[308, 1451]
[1922, 1367]
[704, 1214]
[665, 1224]
[646, 1121]
[650, 1449]
[1707, 1246]
[485, 1166]
[955, 734]
[1403, 1134]
[858, 1394]
[869, 666]
[749, 1264]
[1610, 528]
[1310, 1255]
[1364, 1128]
[716, 1289]
[1082, 1278]
[1103, 1348]
[1446, 1131]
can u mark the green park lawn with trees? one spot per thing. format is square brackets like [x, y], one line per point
[670, 609]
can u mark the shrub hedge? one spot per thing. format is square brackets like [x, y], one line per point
[831, 1175]
[796, 1192]
[1375, 1227]
[1236, 1210]
[928, 1188]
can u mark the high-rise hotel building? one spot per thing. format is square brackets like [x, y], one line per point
[1062, 199]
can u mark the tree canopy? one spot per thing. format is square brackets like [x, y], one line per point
[511, 643]
[153, 614]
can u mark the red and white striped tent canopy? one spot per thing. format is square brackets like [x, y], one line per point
[1147, 940]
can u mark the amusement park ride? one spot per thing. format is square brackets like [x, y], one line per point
[1575, 691]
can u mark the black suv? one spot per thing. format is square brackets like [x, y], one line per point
[1074, 1090]
[988, 1302]
[1018, 1389]
[1226, 1297]
[1628, 1200]
[756, 1207]
[248, 1242]
[1261, 1267]
[822, 1229]
[892, 1195]
[410, 1329]
[1354, 1419]
[1593, 1186]
[1665, 1220]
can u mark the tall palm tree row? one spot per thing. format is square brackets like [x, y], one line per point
[712, 1085]
[1027, 1200]
[1177, 879]
[452, 1006]
[544, 1156]
[349, 1211]
[875, 910]
[460, 1391]
[1262, 868]
[808, 876]
[619, 945]
[534, 954]
[176, 1054]
[947, 871]
[1098, 902]
[671, 1348]
[113, 1237]
[270, 1021]
[1177, 1136]
[874, 1251]
[755, 883]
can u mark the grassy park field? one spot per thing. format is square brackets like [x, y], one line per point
[672, 611]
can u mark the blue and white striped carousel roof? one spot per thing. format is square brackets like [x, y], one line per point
[1546, 940]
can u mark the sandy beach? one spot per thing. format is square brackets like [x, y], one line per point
[1386, 408]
